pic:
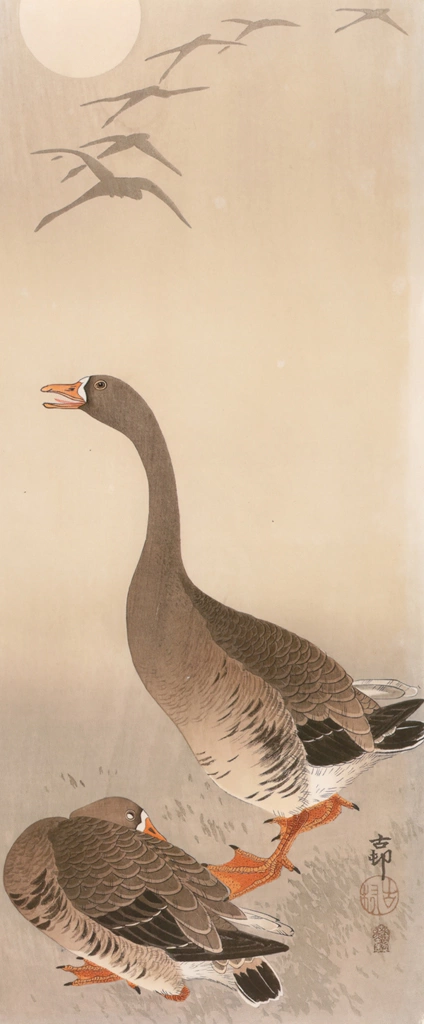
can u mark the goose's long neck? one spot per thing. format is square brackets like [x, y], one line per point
[162, 543]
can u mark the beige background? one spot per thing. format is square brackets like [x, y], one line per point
[279, 343]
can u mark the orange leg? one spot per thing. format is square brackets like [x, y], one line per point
[181, 995]
[246, 871]
[91, 974]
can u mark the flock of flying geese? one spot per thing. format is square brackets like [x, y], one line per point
[108, 184]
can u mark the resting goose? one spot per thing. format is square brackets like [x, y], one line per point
[105, 883]
[272, 719]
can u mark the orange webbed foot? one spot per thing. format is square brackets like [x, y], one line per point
[246, 871]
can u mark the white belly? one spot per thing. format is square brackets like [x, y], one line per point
[330, 779]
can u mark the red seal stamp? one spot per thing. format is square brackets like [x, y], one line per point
[379, 895]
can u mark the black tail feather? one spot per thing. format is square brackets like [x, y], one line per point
[407, 735]
[258, 983]
[384, 719]
[235, 944]
[328, 743]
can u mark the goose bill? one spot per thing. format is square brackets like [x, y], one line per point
[148, 828]
[67, 396]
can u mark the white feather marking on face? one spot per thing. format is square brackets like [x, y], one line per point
[142, 825]
[81, 389]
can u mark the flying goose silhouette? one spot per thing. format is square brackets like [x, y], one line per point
[105, 884]
[138, 95]
[119, 144]
[253, 26]
[272, 719]
[183, 51]
[138, 140]
[381, 13]
[108, 185]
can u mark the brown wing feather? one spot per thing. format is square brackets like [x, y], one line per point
[368, 704]
[312, 684]
[103, 867]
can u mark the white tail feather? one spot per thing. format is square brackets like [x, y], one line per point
[385, 690]
[205, 970]
[258, 921]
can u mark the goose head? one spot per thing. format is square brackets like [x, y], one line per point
[122, 812]
[116, 404]
[106, 398]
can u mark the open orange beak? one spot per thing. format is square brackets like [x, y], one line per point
[67, 396]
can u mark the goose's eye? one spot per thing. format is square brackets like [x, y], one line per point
[130, 815]
[101, 385]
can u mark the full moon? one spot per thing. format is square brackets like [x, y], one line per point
[80, 38]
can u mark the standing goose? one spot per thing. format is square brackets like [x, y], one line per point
[106, 884]
[271, 718]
